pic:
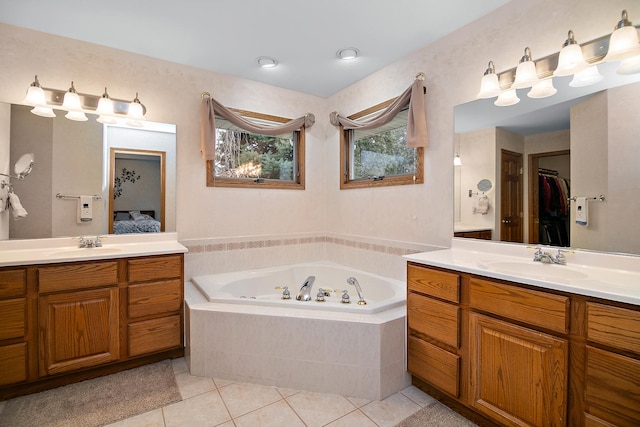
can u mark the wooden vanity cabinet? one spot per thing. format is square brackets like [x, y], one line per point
[522, 356]
[13, 326]
[154, 304]
[61, 323]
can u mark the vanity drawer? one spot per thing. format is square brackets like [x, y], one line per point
[13, 359]
[434, 365]
[13, 283]
[147, 299]
[613, 326]
[436, 319]
[160, 267]
[13, 320]
[435, 283]
[77, 276]
[526, 305]
[154, 335]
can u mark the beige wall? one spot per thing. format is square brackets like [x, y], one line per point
[421, 213]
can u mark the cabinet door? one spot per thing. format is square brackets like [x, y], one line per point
[78, 329]
[518, 375]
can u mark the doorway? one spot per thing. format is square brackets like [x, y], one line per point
[511, 198]
[137, 187]
[549, 224]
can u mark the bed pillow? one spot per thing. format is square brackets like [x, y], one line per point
[134, 214]
[122, 216]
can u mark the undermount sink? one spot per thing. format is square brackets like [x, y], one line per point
[536, 270]
[80, 252]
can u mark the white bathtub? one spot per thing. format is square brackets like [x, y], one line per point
[265, 287]
[330, 347]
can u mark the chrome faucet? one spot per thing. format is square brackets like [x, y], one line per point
[305, 290]
[547, 258]
[354, 282]
[90, 243]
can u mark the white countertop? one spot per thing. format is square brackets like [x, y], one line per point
[65, 249]
[614, 277]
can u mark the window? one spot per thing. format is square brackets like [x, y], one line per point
[244, 159]
[379, 157]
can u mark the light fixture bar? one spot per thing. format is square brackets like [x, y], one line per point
[593, 52]
[88, 102]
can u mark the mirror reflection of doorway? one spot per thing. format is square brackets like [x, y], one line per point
[511, 197]
[136, 191]
[549, 225]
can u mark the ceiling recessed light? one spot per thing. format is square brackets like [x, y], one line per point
[266, 62]
[348, 53]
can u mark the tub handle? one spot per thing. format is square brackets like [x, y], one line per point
[285, 291]
[345, 297]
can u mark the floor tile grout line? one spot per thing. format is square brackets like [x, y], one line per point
[294, 410]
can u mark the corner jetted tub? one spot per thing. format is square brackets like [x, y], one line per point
[266, 287]
[239, 328]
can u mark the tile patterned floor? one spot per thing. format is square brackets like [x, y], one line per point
[219, 403]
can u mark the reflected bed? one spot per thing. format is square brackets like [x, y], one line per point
[135, 222]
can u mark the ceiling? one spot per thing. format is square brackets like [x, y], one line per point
[227, 36]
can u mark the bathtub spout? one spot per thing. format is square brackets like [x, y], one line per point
[354, 282]
[305, 290]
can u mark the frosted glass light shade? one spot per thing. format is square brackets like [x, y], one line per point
[489, 86]
[623, 44]
[526, 75]
[629, 66]
[105, 107]
[586, 77]
[77, 116]
[457, 161]
[71, 101]
[542, 89]
[570, 61]
[35, 96]
[43, 111]
[507, 98]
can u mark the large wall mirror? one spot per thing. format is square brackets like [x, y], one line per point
[581, 142]
[97, 163]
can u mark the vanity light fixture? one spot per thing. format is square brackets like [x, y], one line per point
[36, 98]
[542, 89]
[267, 62]
[489, 85]
[73, 106]
[105, 110]
[586, 77]
[526, 75]
[348, 53]
[109, 110]
[457, 161]
[507, 98]
[135, 114]
[570, 58]
[624, 41]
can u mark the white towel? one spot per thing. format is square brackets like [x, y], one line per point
[582, 211]
[483, 205]
[18, 211]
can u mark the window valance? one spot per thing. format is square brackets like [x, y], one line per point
[209, 108]
[416, 121]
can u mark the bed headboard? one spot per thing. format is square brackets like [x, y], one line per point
[151, 213]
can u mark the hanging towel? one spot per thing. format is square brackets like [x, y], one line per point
[483, 205]
[582, 211]
[18, 211]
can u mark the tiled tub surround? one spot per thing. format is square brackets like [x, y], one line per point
[357, 355]
[223, 255]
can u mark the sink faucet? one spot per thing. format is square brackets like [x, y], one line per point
[354, 282]
[305, 290]
[90, 243]
[547, 258]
